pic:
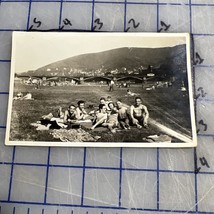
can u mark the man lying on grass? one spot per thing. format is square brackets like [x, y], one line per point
[71, 118]
[70, 114]
[76, 115]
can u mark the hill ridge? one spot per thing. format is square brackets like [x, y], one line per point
[124, 60]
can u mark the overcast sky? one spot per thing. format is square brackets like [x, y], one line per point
[34, 50]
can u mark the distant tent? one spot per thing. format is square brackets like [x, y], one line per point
[150, 75]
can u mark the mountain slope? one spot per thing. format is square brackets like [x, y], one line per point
[122, 60]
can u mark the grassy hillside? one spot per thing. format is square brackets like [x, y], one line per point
[122, 61]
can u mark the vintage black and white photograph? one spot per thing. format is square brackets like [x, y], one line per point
[101, 90]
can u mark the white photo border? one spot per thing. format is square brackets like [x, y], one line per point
[192, 142]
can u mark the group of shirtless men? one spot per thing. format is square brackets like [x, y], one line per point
[110, 114]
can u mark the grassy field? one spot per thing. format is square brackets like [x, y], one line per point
[168, 106]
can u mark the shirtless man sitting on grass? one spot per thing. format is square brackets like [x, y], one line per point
[123, 115]
[139, 113]
[81, 113]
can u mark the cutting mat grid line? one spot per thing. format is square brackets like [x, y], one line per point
[120, 177]
[194, 88]
[107, 208]
[158, 160]
[196, 180]
[158, 178]
[47, 174]
[120, 169]
[115, 212]
[92, 16]
[83, 177]
[83, 167]
[11, 173]
[113, 2]
[60, 13]
[106, 168]
[28, 17]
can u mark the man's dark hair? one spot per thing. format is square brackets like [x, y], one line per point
[109, 97]
[101, 106]
[103, 98]
[138, 98]
[80, 102]
[71, 105]
[111, 103]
